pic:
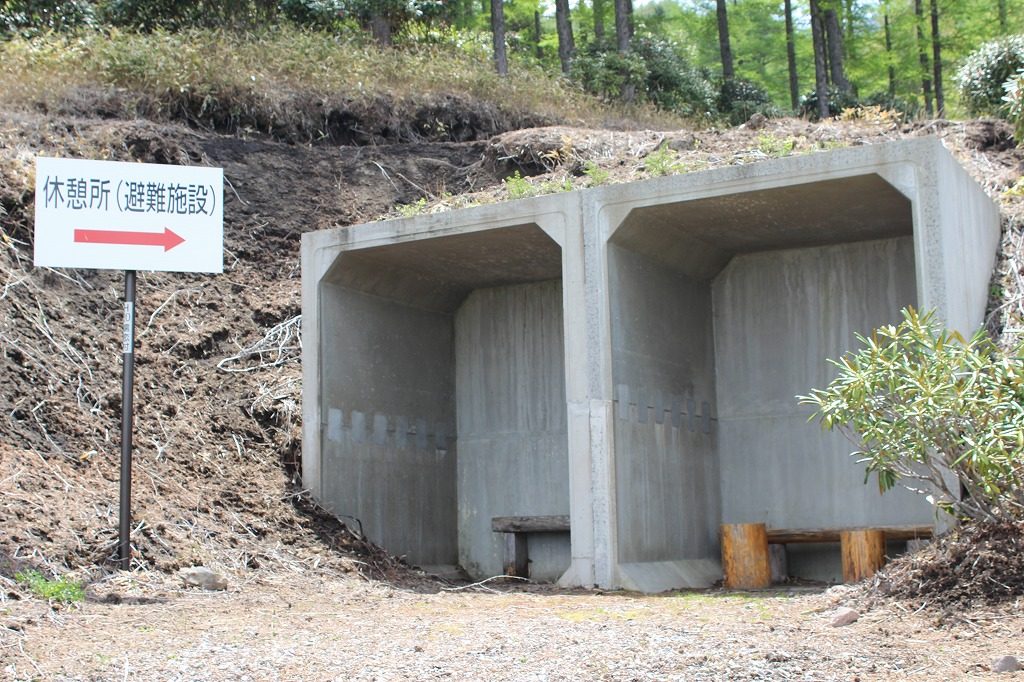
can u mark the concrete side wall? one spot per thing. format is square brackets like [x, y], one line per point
[778, 316]
[970, 240]
[513, 440]
[387, 392]
[663, 368]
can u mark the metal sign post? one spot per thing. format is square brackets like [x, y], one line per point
[128, 216]
[124, 553]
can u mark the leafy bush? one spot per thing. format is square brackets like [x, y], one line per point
[907, 109]
[148, 15]
[29, 17]
[604, 72]
[837, 101]
[983, 73]
[739, 99]
[320, 14]
[1014, 99]
[928, 408]
[59, 589]
[657, 70]
[671, 82]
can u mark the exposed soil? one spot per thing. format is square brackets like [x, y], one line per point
[218, 434]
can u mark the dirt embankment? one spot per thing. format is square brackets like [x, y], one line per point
[218, 378]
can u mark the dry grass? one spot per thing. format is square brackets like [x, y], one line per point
[296, 84]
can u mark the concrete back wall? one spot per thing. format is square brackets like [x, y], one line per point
[663, 367]
[513, 444]
[778, 316]
[389, 449]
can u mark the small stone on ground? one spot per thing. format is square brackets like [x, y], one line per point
[201, 576]
[844, 616]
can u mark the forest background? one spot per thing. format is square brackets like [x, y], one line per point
[706, 61]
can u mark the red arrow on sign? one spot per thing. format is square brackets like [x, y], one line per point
[166, 239]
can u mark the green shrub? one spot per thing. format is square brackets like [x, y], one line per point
[30, 17]
[934, 412]
[604, 72]
[739, 99]
[59, 589]
[907, 109]
[837, 102]
[671, 82]
[320, 14]
[983, 73]
[148, 15]
[1014, 102]
[657, 70]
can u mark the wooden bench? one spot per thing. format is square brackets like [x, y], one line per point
[746, 557]
[517, 530]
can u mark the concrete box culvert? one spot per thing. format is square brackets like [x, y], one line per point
[628, 356]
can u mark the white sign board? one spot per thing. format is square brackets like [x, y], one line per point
[129, 216]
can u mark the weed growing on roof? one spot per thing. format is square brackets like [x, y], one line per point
[518, 187]
[775, 147]
[664, 161]
[596, 174]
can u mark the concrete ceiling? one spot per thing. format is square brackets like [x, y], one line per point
[438, 273]
[699, 237]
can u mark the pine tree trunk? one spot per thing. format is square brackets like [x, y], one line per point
[380, 29]
[940, 104]
[1002, 17]
[820, 71]
[835, 51]
[926, 81]
[794, 83]
[498, 35]
[623, 33]
[598, 21]
[888, 56]
[623, 25]
[539, 53]
[723, 41]
[566, 44]
[848, 29]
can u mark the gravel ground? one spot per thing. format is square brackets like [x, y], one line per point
[310, 626]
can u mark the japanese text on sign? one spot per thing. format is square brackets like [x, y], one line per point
[80, 194]
[128, 216]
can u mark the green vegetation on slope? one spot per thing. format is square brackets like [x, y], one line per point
[298, 84]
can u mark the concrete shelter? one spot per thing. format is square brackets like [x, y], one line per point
[627, 356]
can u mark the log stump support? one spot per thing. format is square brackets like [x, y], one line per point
[753, 557]
[745, 556]
[863, 553]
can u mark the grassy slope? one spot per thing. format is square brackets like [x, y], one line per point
[298, 85]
